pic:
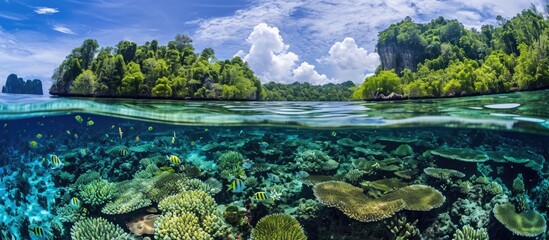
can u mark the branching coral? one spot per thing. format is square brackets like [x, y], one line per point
[179, 226]
[402, 229]
[126, 202]
[230, 163]
[71, 214]
[97, 192]
[315, 161]
[278, 227]
[97, 228]
[469, 233]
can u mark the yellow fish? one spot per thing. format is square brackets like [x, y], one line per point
[68, 132]
[55, 161]
[193, 143]
[174, 159]
[79, 118]
[137, 138]
[33, 144]
[261, 196]
[334, 134]
[173, 138]
[90, 123]
[123, 152]
[75, 202]
[120, 132]
[38, 231]
[39, 136]
[150, 128]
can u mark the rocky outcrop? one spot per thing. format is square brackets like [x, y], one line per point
[399, 57]
[19, 86]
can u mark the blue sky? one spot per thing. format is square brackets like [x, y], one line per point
[283, 40]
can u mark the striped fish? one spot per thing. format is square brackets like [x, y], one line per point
[174, 159]
[55, 161]
[38, 231]
[236, 186]
[75, 202]
[123, 152]
[261, 196]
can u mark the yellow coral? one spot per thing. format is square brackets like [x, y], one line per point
[278, 227]
[528, 223]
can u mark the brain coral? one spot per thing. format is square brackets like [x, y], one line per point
[278, 227]
[528, 223]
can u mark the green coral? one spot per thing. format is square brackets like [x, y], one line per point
[71, 214]
[518, 185]
[278, 227]
[404, 150]
[197, 203]
[179, 226]
[402, 229]
[98, 228]
[230, 164]
[127, 202]
[163, 185]
[528, 223]
[315, 161]
[469, 233]
[97, 192]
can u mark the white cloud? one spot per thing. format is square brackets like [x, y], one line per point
[64, 30]
[307, 73]
[45, 10]
[349, 61]
[271, 59]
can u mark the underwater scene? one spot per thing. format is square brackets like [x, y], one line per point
[462, 168]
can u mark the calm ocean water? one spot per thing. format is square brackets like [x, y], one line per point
[438, 165]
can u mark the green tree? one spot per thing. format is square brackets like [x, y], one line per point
[84, 84]
[127, 50]
[162, 88]
[133, 79]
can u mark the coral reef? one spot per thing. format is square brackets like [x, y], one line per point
[97, 228]
[461, 154]
[402, 229]
[315, 161]
[97, 192]
[528, 223]
[278, 227]
[469, 233]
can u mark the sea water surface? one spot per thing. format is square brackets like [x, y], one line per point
[67, 164]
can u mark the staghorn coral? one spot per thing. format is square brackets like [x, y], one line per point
[528, 223]
[315, 161]
[518, 185]
[402, 229]
[278, 227]
[355, 204]
[97, 192]
[97, 228]
[163, 185]
[71, 214]
[354, 175]
[469, 233]
[307, 208]
[230, 163]
[87, 177]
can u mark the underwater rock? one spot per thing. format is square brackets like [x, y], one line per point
[528, 223]
[461, 154]
[278, 227]
[142, 224]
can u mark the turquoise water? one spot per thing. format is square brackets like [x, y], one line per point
[439, 165]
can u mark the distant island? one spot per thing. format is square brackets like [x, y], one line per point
[17, 85]
[444, 59]
[437, 59]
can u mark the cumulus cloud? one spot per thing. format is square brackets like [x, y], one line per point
[271, 59]
[349, 61]
[64, 30]
[45, 10]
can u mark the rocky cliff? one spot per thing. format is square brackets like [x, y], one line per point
[19, 86]
[398, 57]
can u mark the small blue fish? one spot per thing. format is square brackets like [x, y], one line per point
[261, 196]
[236, 186]
[247, 165]
[301, 174]
[273, 178]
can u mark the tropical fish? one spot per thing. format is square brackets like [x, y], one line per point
[137, 138]
[150, 128]
[5, 124]
[79, 118]
[120, 132]
[33, 144]
[131, 128]
[247, 165]
[83, 152]
[68, 132]
[123, 152]
[75, 202]
[90, 123]
[301, 174]
[39, 136]
[263, 144]
[174, 159]
[193, 143]
[38, 231]
[205, 129]
[112, 126]
[106, 135]
[75, 136]
[261, 196]
[273, 178]
[55, 161]
[334, 134]
[236, 186]
[173, 138]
